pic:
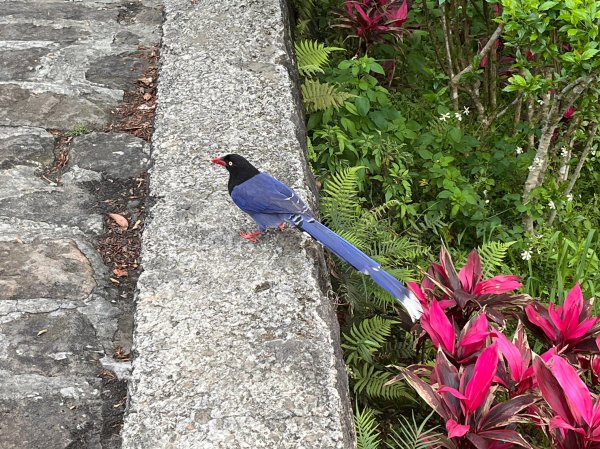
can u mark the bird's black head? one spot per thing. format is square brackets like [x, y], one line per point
[239, 169]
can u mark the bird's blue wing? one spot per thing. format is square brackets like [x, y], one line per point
[263, 194]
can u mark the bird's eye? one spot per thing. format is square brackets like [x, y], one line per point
[230, 163]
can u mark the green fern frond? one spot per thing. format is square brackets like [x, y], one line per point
[373, 383]
[340, 205]
[365, 338]
[312, 56]
[367, 429]
[410, 435]
[492, 257]
[304, 8]
[319, 96]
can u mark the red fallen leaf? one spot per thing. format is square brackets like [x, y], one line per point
[120, 220]
[120, 273]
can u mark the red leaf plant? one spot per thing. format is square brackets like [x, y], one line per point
[460, 294]
[471, 340]
[373, 20]
[573, 415]
[568, 327]
[516, 375]
[465, 398]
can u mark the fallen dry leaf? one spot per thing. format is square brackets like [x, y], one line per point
[42, 332]
[147, 96]
[114, 281]
[120, 273]
[120, 220]
[146, 80]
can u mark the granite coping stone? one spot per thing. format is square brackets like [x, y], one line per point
[236, 345]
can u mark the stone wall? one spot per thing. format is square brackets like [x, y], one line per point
[236, 344]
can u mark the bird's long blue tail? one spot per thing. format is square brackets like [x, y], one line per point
[359, 260]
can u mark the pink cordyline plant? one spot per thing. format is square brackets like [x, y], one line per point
[372, 20]
[573, 415]
[460, 294]
[465, 398]
[517, 375]
[568, 327]
[443, 334]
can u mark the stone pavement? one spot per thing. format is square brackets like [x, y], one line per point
[64, 66]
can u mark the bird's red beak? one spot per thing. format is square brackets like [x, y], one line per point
[218, 161]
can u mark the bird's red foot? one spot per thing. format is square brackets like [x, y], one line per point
[250, 235]
[281, 226]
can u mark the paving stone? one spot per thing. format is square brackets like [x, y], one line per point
[118, 155]
[61, 343]
[46, 269]
[22, 106]
[16, 181]
[37, 411]
[117, 71]
[53, 10]
[33, 32]
[59, 206]
[21, 145]
[20, 64]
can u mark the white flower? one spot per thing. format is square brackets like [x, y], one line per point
[593, 152]
[466, 111]
[540, 102]
[458, 116]
[537, 162]
[526, 255]
[519, 150]
[551, 205]
[569, 197]
[563, 152]
[485, 192]
[445, 116]
[487, 201]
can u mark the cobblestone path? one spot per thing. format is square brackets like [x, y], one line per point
[65, 315]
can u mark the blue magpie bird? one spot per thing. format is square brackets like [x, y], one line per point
[271, 204]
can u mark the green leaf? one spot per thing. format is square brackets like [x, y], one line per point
[351, 108]
[425, 154]
[589, 53]
[547, 5]
[379, 119]
[362, 105]
[455, 135]
[377, 68]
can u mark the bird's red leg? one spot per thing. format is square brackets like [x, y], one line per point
[281, 226]
[250, 235]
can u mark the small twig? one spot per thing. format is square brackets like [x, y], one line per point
[484, 51]
[584, 155]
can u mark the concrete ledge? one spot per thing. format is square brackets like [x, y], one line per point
[236, 344]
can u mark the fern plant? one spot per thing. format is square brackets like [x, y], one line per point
[366, 337]
[492, 256]
[367, 429]
[410, 435]
[319, 96]
[312, 56]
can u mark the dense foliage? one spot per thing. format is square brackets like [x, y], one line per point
[469, 124]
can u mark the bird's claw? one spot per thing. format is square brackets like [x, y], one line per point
[250, 235]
